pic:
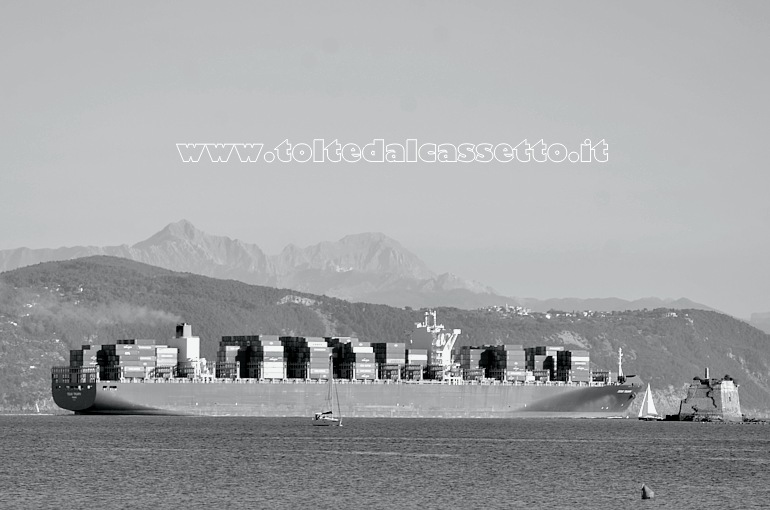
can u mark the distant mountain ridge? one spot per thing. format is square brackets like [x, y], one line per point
[364, 267]
[368, 267]
[610, 304]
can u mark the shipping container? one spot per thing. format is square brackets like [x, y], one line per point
[123, 347]
[473, 374]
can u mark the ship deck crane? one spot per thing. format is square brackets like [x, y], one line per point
[442, 342]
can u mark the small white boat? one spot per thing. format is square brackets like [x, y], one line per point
[648, 412]
[327, 417]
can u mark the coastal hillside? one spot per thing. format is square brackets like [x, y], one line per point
[48, 308]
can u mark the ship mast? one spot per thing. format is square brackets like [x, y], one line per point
[620, 364]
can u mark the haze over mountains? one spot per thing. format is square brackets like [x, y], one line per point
[367, 267]
[761, 321]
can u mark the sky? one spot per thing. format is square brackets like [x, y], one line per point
[95, 96]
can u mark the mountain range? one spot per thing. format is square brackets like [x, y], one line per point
[47, 309]
[367, 267]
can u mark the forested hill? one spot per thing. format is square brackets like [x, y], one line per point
[46, 309]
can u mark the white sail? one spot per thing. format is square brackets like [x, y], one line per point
[651, 411]
[648, 406]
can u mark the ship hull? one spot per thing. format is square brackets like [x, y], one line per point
[364, 400]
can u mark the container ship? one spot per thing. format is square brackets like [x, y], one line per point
[284, 376]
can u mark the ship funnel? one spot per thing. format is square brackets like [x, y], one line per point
[183, 330]
[707, 374]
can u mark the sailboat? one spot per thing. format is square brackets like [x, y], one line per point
[648, 412]
[327, 417]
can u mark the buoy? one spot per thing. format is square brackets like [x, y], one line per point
[647, 493]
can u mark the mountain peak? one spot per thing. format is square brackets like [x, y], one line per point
[369, 238]
[181, 230]
[368, 252]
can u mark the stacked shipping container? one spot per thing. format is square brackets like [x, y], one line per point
[416, 360]
[506, 362]
[356, 360]
[573, 366]
[251, 356]
[135, 358]
[542, 361]
[233, 356]
[417, 356]
[267, 360]
[86, 356]
[472, 360]
[470, 357]
[390, 358]
[308, 358]
[274, 357]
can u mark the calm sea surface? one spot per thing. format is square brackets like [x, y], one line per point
[169, 463]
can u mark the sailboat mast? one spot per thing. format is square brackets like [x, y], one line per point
[336, 394]
[329, 396]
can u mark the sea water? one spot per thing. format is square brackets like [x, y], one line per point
[216, 463]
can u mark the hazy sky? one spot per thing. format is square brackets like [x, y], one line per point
[95, 96]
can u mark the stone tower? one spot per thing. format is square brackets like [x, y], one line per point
[711, 400]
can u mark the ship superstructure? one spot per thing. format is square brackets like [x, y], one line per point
[441, 344]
